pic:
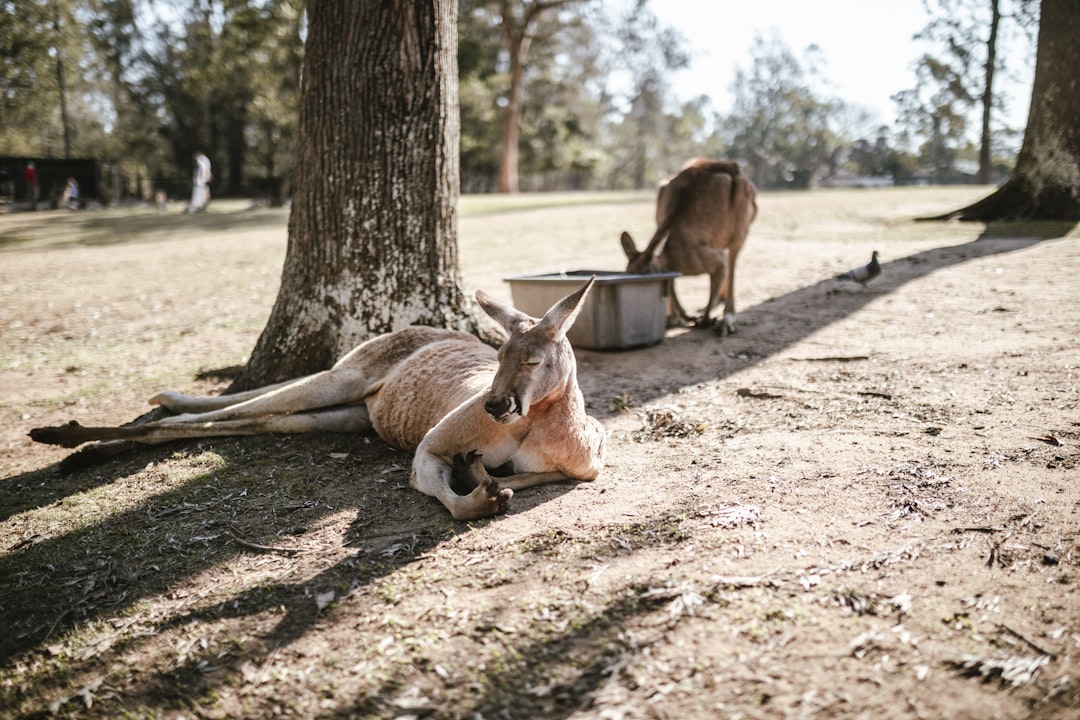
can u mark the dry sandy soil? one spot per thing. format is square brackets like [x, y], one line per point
[862, 504]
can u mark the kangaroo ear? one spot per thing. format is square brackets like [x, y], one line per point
[628, 246]
[558, 320]
[657, 245]
[510, 318]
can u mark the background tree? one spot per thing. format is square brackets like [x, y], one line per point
[779, 126]
[648, 53]
[44, 89]
[563, 106]
[372, 235]
[563, 98]
[519, 21]
[1046, 181]
[934, 115]
[26, 80]
[960, 76]
[480, 84]
[226, 72]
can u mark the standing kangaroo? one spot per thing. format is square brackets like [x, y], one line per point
[703, 214]
[463, 409]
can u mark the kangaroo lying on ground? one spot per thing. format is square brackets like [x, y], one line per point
[465, 410]
[703, 214]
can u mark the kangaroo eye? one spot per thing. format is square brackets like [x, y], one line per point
[532, 363]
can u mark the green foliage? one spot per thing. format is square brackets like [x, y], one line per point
[30, 44]
[954, 80]
[781, 125]
[147, 83]
[229, 75]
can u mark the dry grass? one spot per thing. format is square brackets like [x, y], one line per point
[855, 506]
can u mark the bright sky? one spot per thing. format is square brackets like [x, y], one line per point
[866, 45]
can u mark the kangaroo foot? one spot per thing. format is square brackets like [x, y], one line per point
[482, 495]
[71, 435]
[726, 326]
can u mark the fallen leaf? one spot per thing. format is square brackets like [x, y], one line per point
[1048, 439]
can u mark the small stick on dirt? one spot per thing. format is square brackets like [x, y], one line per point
[745, 581]
[874, 393]
[979, 528]
[748, 393]
[1027, 640]
[264, 548]
[833, 358]
[56, 622]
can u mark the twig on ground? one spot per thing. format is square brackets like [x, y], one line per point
[264, 548]
[832, 358]
[1031, 643]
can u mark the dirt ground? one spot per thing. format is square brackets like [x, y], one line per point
[864, 504]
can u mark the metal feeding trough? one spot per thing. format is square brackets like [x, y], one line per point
[623, 310]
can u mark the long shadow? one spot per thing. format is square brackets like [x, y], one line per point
[51, 585]
[95, 229]
[693, 357]
[587, 655]
[696, 356]
[54, 585]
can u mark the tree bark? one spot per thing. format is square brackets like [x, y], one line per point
[372, 235]
[1046, 182]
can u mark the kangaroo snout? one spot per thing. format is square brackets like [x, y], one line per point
[501, 407]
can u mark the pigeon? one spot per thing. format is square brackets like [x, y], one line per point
[864, 274]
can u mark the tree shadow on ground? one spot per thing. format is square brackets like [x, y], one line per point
[103, 569]
[97, 229]
[764, 330]
[265, 491]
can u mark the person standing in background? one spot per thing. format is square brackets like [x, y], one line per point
[70, 198]
[31, 180]
[200, 183]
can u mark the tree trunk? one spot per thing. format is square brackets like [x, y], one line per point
[985, 156]
[372, 234]
[518, 42]
[61, 80]
[1046, 182]
[235, 127]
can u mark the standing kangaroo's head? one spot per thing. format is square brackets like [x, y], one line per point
[647, 261]
[537, 361]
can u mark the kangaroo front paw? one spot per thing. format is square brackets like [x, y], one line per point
[468, 472]
[480, 494]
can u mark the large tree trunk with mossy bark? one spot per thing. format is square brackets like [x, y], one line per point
[373, 231]
[1045, 184]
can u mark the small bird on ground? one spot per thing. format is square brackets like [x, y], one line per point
[864, 274]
